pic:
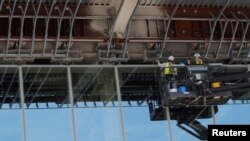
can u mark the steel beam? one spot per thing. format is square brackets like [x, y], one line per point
[245, 29]
[131, 40]
[128, 27]
[126, 11]
[72, 25]
[109, 17]
[10, 25]
[71, 97]
[222, 38]
[168, 25]
[170, 132]
[47, 25]
[234, 29]
[120, 103]
[125, 48]
[20, 74]
[214, 25]
[22, 24]
[34, 26]
[60, 24]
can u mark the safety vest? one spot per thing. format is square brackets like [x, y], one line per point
[198, 61]
[169, 70]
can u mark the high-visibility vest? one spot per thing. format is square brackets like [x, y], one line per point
[198, 61]
[167, 69]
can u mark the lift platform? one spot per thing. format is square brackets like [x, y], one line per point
[198, 81]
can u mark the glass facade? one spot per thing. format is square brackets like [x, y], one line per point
[69, 114]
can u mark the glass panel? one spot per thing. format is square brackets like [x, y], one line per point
[46, 89]
[95, 97]
[233, 114]
[139, 89]
[10, 113]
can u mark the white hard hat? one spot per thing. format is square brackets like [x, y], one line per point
[197, 55]
[171, 58]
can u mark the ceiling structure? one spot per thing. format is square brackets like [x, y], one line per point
[122, 32]
[131, 31]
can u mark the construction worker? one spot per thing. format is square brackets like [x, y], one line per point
[168, 69]
[197, 60]
[170, 73]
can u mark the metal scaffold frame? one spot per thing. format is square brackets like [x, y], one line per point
[68, 14]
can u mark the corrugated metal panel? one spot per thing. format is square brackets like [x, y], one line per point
[86, 2]
[198, 3]
[208, 3]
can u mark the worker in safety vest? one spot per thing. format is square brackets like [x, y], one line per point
[170, 73]
[197, 60]
[168, 69]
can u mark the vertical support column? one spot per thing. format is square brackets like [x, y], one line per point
[71, 102]
[120, 103]
[20, 74]
[169, 124]
[213, 114]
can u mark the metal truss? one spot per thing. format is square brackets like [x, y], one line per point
[36, 11]
[214, 25]
[167, 27]
[223, 27]
[47, 24]
[11, 10]
[70, 14]
[22, 24]
[245, 29]
[72, 25]
[60, 24]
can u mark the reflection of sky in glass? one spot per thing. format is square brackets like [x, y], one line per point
[95, 124]
[98, 124]
[49, 125]
[10, 125]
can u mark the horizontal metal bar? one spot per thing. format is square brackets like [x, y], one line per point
[57, 17]
[52, 40]
[133, 18]
[106, 66]
[129, 40]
